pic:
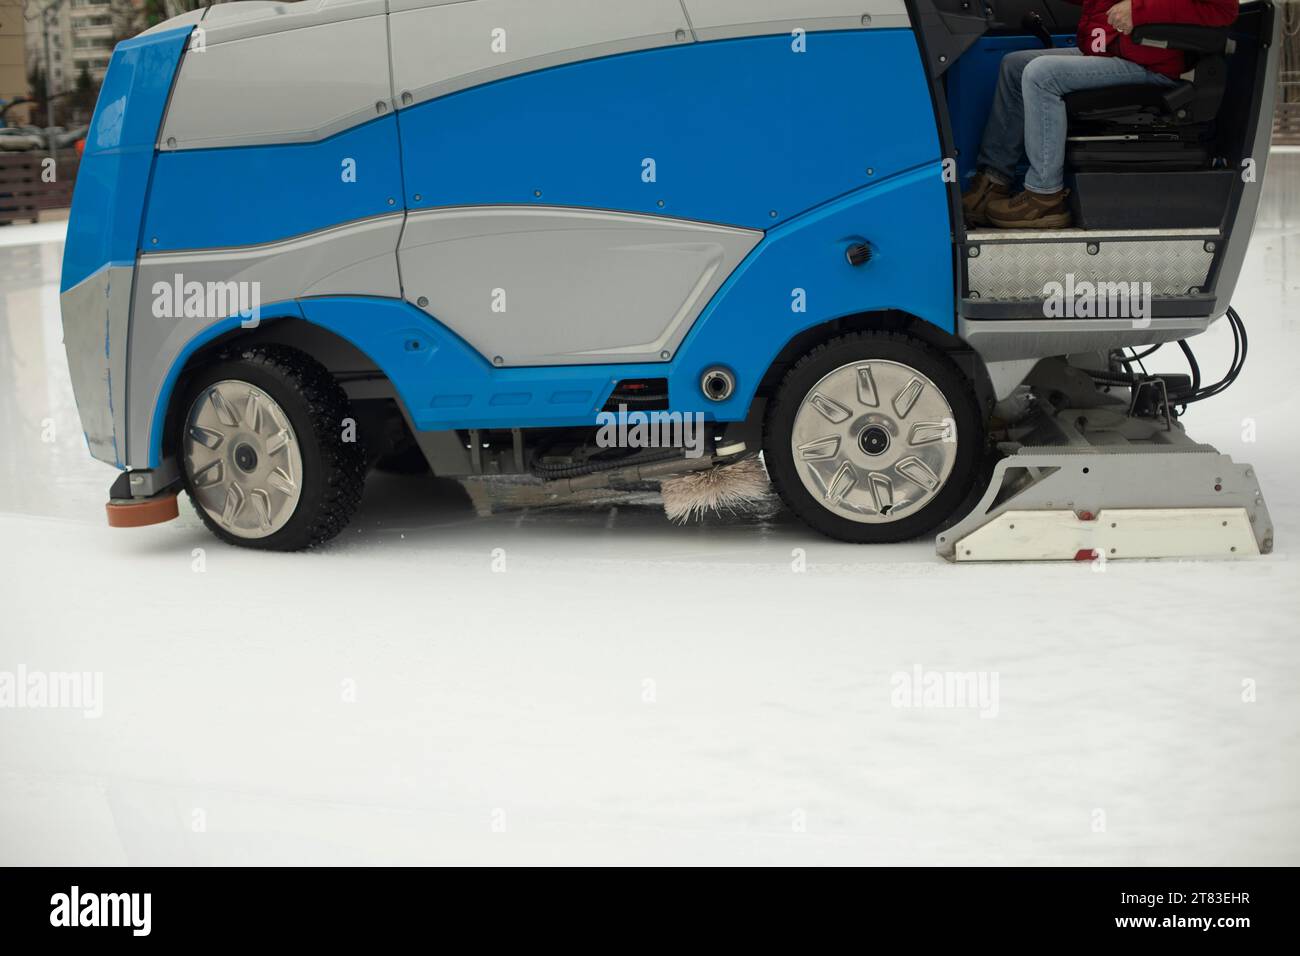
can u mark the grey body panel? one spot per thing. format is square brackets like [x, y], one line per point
[96, 314]
[353, 259]
[580, 286]
[441, 48]
[724, 19]
[248, 18]
[297, 85]
[1002, 340]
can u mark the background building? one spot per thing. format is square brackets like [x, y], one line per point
[91, 34]
[65, 37]
[13, 59]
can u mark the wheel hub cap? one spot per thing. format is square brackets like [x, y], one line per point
[874, 441]
[242, 459]
[245, 457]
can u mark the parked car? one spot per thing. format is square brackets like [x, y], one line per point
[35, 138]
[18, 139]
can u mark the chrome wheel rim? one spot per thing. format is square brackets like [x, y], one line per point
[874, 441]
[243, 459]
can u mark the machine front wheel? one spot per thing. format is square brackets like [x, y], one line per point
[874, 438]
[263, 451]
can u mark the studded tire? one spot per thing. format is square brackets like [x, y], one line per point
[817, 500]
[332, 470]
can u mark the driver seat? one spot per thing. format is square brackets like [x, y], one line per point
[1155, 128]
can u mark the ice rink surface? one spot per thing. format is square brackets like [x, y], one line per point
[465, 679]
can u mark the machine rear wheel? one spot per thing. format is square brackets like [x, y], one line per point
[874, 438]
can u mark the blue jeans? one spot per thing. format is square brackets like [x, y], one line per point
[1029, 110]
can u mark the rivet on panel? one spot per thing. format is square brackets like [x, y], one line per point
[422, 302]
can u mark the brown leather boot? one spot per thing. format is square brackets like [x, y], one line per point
[1029, 210]
[974, 200]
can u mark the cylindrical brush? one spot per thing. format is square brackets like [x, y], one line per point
[723, 488]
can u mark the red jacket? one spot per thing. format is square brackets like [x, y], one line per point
[1099, 38]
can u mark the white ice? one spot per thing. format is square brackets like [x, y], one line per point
[628, 691]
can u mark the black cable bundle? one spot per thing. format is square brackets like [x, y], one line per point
[1195, 393]
[1239, 345]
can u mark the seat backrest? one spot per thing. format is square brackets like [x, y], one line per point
[1198, 98]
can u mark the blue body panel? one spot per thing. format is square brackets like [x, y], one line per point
[906, 222]
[738, 130]
[207, 198]
[113, 177]
[446, 384]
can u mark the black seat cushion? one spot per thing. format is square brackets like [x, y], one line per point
[1135, 96]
